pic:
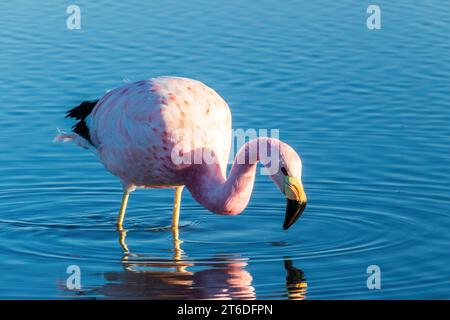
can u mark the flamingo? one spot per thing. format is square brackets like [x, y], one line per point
[171, 132]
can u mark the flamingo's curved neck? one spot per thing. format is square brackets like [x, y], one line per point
[230, 195]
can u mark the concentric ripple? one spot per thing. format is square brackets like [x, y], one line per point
[209, 258]
[368, 111]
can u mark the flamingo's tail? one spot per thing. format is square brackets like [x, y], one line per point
[80, 134]
[63, 136]
[80, 113]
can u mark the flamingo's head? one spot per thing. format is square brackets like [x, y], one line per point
[288, 178]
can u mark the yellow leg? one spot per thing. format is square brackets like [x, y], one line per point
[180, 266]
[123, 208]
[176, 207]
[119, 224]
[175, 219]
[122, 236]
[177, 251]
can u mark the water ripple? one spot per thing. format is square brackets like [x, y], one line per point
[367, 111]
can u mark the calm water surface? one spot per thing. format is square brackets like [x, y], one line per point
[369, 112]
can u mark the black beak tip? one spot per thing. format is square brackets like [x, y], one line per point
[287, 225]
[294, 210]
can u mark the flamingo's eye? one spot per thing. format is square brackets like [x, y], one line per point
[283, 169]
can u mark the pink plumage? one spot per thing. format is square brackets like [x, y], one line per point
[138, 126]
[169, 132]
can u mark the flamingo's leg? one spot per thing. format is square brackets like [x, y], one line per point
[176, 207]
[122, 236]
[178, 252]
[123, 208]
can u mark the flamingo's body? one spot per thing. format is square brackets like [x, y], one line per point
[137, 127]
[150, 134]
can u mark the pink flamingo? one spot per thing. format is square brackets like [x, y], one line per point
[171, 132]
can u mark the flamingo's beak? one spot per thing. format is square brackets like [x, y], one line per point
[295, 201]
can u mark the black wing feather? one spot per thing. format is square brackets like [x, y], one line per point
[80, 113]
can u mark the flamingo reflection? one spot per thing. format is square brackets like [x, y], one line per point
[223, 276]
[296, 284]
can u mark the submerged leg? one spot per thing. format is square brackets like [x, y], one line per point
[177, 251]
[122, 236]
[123, 208]
[176, 207]
[180, 265]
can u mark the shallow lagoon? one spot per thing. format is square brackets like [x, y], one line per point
[367, 110]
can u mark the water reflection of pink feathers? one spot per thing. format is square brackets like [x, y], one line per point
[222, 277]
[227, 279]
[230, 281]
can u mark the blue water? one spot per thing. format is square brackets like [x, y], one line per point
[368, 111]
